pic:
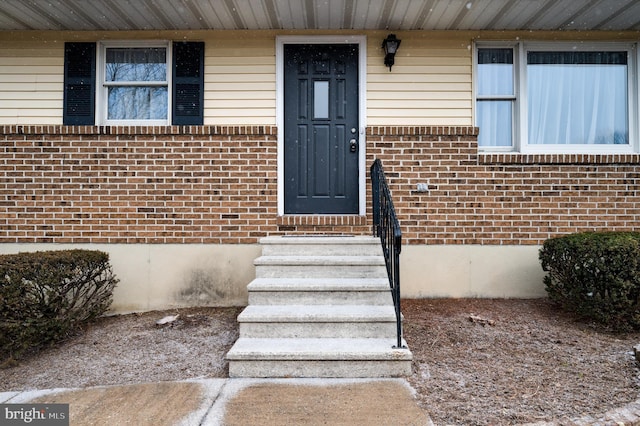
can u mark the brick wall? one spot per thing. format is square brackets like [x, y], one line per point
[200, 184]
[217, 184]
[494, 199]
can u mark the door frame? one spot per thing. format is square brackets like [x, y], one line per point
[361, 41]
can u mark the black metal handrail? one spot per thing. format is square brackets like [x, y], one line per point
[387, 228]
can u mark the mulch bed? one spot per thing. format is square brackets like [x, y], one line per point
[495, 362]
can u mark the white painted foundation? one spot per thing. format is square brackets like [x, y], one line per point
[163, 276]
[471, 271]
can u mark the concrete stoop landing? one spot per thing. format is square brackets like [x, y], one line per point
[319, 307]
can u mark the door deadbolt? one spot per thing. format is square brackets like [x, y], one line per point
[353, 145]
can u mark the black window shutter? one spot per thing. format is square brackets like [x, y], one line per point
[79, 84]
[188, 83]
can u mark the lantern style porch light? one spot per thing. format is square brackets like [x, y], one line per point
[390, 46]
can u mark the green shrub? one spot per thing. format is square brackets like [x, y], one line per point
[596, 275]
[46, 296]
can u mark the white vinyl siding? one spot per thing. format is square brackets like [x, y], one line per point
[430, 83]
[240, 79]
[31, 76]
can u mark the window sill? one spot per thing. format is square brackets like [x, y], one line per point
[518, 158]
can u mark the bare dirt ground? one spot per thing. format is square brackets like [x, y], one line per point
[534, 363]
[476, 361]
[129, 349]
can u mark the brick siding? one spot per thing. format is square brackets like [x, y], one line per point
[476, 198]
[192, 184]
[218, 184]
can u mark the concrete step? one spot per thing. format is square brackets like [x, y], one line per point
[319, 307]
[320, 266]
[321, 245]
[317, 321]
[309, 357]
[319, 291]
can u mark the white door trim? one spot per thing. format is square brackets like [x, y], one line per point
[361, 41]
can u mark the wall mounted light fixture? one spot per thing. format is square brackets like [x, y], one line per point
[390, 46]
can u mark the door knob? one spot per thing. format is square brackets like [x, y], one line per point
[353, 145]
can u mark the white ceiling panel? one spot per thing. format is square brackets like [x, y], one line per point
[442, 14]
[253, 14]
[402, 14]
[184, 13]
[519, 14]
[628, 18]
[366, 14]
[320, 14]
[207, 16]
[26, 17]
[598, 15]
[555, 16]
[292, 14]
[482, 15]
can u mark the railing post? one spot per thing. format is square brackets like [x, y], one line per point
[387, 228]
[375, 195]
[397, 243]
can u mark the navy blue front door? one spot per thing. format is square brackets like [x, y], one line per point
[321, 129]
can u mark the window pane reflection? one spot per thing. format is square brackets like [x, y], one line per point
[137, 103]
[136, 64]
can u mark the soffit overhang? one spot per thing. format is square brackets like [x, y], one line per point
[480, 15]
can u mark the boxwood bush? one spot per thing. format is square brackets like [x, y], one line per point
[596, 275]
[46, 296]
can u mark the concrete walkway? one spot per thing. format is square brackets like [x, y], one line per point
[268, 402]
[238, 402]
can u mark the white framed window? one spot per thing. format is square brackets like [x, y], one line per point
[556, 97]
[496, 96]
[134, 81]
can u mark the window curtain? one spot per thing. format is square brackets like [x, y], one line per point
[494, 119]
[577, 98]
